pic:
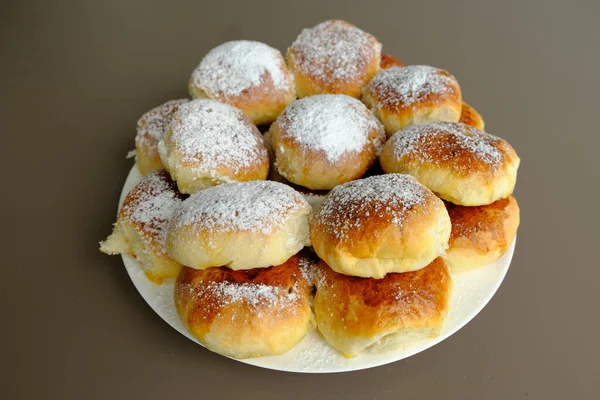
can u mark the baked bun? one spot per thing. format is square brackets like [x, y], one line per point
[389, 61]
[242, 314]
[385, 223]
[416, 94]
[239, 225]
[209, 143]
[248, 75]
[333, 57]
[141, 226]
[471, 117]
[480, 235]
[459, 163]
[354, 314]
[322, 141]
[151, 128]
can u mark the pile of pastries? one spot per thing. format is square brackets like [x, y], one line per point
[334, 189]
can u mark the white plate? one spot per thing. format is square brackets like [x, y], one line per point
[471, 292]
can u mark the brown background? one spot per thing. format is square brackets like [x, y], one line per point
[74, 78]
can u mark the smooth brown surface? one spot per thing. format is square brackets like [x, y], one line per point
[75, 77]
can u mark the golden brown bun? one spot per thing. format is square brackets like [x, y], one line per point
[141, 226]
[248, 75]
[322, 141]
[388, 61]
[385, 223]
[242, 314]
[461, 164]
[480, 235]
[151, 127]
[471, 117]
[354, 314]
[208, 143]
[416, 94]
[333, 57]
[239, 225]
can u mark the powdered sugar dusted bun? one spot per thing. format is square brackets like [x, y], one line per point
[151, 128]
[141, 227]
[459, 163]
[389, 61]
[322, 141]
[480, 235]
[416, 94]
[239, 225]
[385, 223]
[333, 57]
[248, 75]
[242, 314]
[209, 143]
[471, 117]
[380, 315]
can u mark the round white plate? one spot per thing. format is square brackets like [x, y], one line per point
[471, 292]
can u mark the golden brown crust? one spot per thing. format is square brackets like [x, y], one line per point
[381, 224]
[141, 193]
[396, 103]
[411, 95]
[226, 74]
[262, 104]
[151, 127]
[141, 226]
[195, 155]
[481, 234]
[461, 164]
[471, 117]
[443, 149]
[314, 171]
[321, 65]
[388, 61]
[322, 141]
[348, 308]
[245, 313]
[201, 287]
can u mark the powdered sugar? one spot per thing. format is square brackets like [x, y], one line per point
[256, 206]
[231, 68]
[251, 293]
[152, 204]
[389, 196]
[153, 124]
[444, 141]
[333, 51]
[403, 86]
[332, 124]
[307, 269]
[212, 135]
